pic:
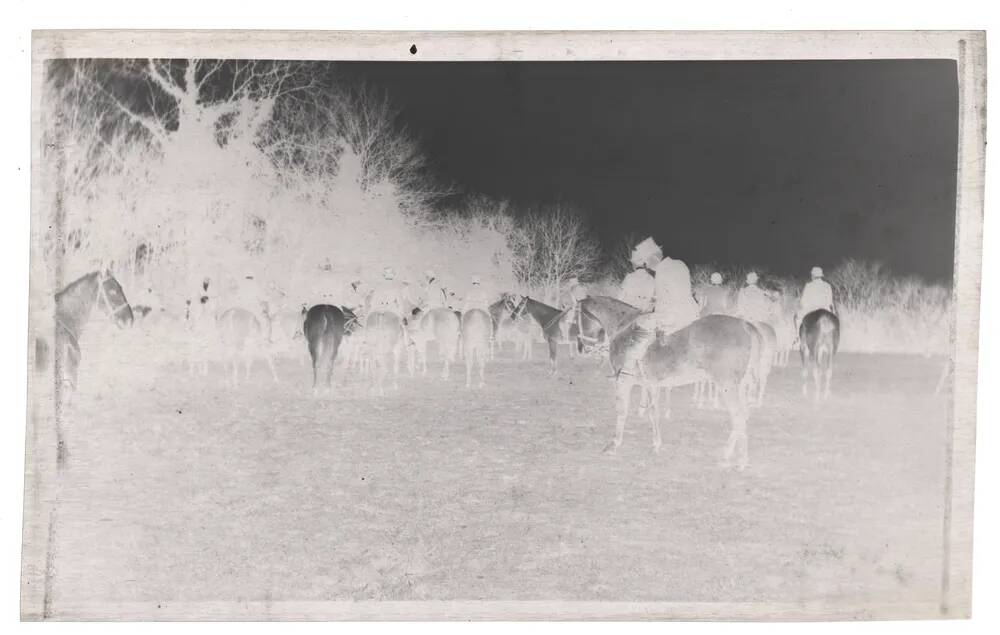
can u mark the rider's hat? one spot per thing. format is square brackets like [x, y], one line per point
[817, 272]
[388, 273]
[716, 278]
[645, 249]
[752, 277]
[476, 280]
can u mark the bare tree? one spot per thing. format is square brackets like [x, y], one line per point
[555, 246]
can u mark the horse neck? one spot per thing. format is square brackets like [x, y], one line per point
[496, 309]
[75, 303]
[543, 313]
[611, 315]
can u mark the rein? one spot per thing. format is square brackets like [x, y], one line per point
[73, 338]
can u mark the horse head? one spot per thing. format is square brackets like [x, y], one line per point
[112, 299]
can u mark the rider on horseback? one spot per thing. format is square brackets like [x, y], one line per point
[569, 301]
[434, 292]
[476, 298]
[716, 300]
[752, 303]
[637, 287]
[674, 305]
[817, 294]
[388, 296]
[356, 296]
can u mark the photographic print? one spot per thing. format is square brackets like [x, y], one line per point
[503, 325]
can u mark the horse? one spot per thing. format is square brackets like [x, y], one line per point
[324, 328]
[73, 307]
[384, 336]
[784, 329]
[477, 329]
[441, 325]
[285, 333]
[506, 329]
[819, 338]
[547, 317]
[242, 336]
[724, 349]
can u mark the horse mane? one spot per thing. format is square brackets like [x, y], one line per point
[70, 288]
[545, 315]
[621, 311]
[614, 302]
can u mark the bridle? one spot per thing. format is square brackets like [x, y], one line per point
[102, 296]
[517, 311]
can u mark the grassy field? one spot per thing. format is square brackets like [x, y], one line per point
[182, 489]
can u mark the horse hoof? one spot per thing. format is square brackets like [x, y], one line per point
[610, 448]
[656, 448]
[742, 466]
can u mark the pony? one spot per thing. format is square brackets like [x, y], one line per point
[324, 328]
[74, 305]
[724, 349]
[384, 338]
[243, 338]
[73, 308]
[548, 318]
[819, 338]
[506, 329]
[444, 327]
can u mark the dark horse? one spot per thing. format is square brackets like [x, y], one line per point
[819, 337]
[324, 328]
[73, 307]
[548, 317]
[723, 349]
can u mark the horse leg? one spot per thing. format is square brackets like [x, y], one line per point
[468, 369]
[805, 376]
[270, 364]
[711, 394]
[829, 376]
[553, 346]
[315, 354]
[654, 416]
[331, 361]
[817, 374]
[482, 369]
[623, 395]
[396, 355]
[738, 413]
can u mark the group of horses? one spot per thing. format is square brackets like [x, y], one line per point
[728, 359]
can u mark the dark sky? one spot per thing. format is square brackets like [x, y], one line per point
[776, 164]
